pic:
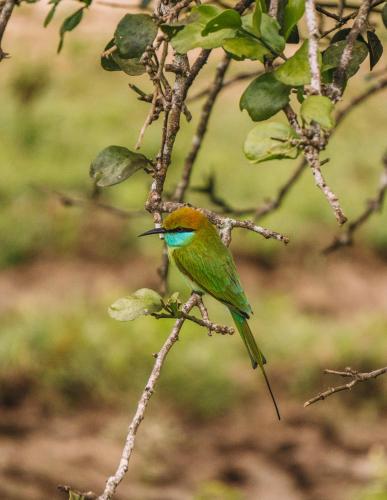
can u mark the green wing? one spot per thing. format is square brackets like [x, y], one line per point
[208, 263]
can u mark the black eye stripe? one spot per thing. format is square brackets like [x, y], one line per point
[180, 230]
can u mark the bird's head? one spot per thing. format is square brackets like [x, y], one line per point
[181, 226]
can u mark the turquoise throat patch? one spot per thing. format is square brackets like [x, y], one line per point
[178, 239]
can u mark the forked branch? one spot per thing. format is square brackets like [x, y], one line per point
[355, 377]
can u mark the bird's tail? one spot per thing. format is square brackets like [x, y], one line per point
[256, 356]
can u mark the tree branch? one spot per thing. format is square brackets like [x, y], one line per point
[245, 75]
[5, 14]
[114, 481]
[348, 372]
[223, 222]
[206, 323]
[339, 76]
[201, 128]
[317, 140]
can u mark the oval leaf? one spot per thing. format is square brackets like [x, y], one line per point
[270, 141]
[384, 15]
[133, 34]
[257, 17]
[114, 164]
[245, 48]
[227, 19]
[270, 33]
[295, 71]
[319, 109]
[343, 35]
[69, 24]
[142, 303]
[249, 25]
[191, 36]
[293, 12]
[375, 48]
[332, 55]
[132, 67]
[264, 97]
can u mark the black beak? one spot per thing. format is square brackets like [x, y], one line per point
[156, 230]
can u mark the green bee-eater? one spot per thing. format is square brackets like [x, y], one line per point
[195, 246]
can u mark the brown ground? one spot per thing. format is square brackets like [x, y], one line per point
[247, 450]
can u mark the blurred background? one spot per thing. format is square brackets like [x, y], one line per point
[70, 376]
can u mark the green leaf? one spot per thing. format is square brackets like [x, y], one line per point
[300, 94]
[69, 24]
[262, 142]
[244, 47]
[332, 55]
[295, 71]
[270, 33]
[264, 97]
[191, 36]
[249, 25]
[294, 36]
[319, 109]
[142, 303]
[51, 12]
[113, 62]
[75, 496]
[174, 303]
[172, 29]
[132, 67]
[343, 35]
[133, 34]
[114, 164]
[257, 17]
[293, 12]
[384, 15]
[227, 19]
[375, 48]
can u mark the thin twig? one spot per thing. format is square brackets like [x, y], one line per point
[313, 50]
[317, 141]
[372, 206]
[339, 76]
[273, 204]
[348, 372]
[114, 481]
[205, 322]
[221, 222]
[201, 128]
[245, 75]
[73, 201]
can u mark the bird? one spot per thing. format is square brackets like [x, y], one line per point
[200, 255]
